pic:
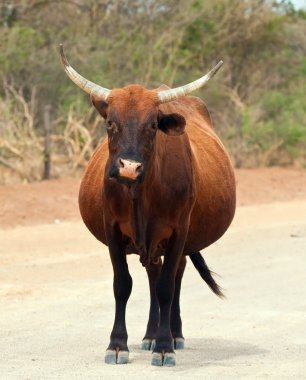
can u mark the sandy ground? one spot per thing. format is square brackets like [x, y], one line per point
[57, 305]
[56, 200]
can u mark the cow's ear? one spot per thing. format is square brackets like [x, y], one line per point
[100, 106]
[172, 125]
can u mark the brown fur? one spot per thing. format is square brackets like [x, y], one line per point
[195, 163]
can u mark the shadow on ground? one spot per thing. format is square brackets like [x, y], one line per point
[199, 352]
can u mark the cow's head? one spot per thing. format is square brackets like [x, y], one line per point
[132, 120]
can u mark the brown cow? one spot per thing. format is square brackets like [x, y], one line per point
[161, 185]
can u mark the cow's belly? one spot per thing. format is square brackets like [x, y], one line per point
[215, 203]
[208, 225]
[212, 213]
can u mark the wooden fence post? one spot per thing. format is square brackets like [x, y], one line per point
[47, 147]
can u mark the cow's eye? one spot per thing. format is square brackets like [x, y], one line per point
[153, 125]
[110, 125]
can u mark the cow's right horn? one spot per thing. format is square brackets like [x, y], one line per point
[87, 86]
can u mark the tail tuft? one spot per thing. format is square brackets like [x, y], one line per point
[200, 265]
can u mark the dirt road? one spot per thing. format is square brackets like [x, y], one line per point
[57, 305]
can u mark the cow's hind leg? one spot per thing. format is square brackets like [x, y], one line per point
[176, 321]
[153, 271]
[117, 351]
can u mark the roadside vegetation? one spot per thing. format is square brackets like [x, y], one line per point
[257, 100]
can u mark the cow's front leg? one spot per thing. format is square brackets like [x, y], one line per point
[153, 271]
[163, 353]
[117, 351]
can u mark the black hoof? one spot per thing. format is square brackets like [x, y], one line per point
[116, 357]
[166, 359]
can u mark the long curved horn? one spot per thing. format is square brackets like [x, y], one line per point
[175, 93]
[87, 86]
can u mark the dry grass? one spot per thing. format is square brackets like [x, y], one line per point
[22, 146]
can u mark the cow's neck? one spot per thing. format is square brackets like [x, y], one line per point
[138, 222]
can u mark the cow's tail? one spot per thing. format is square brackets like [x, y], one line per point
[200, 265]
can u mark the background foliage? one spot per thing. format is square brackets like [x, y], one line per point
[257, 100]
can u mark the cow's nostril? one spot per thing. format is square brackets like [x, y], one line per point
[121, 163]
[138, 167]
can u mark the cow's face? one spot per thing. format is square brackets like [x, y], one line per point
[132, 121]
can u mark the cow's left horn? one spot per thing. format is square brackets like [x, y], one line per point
[87, 86]
[174, 93]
